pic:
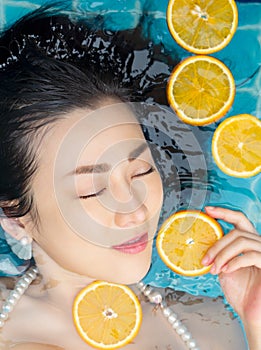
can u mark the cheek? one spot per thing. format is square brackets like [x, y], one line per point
[96, 211]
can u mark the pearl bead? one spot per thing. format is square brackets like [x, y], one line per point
[19, 290]
[186, 336]
[32, 274]
[191, 344]
[176, 324]
[11, 300]
[147, 291]
[140, 285]
[22, 284]
[172, 318]
[181, 330]
[35, 270]
[167, 311]
[155, 297]
[7, 307]
[27, 279]
[24, 241]
[2, 323]
[143, 288]
[4, 316]
[14, 294]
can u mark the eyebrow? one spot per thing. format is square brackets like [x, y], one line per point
[136, 152]
[104, 167]
[89, 169]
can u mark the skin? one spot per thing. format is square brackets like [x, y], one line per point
[237, 261]
[102, 213]
[70, 256]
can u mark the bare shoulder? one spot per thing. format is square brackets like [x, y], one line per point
[35, 346]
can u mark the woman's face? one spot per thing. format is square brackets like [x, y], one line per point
[98, 195]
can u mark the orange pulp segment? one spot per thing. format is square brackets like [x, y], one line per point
[184, 239]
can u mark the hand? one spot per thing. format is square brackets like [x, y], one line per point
[236, 257]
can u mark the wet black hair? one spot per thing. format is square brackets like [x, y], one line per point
[50, 65]
[35, 92]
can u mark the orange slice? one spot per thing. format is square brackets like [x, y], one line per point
[184, 239]
[201, 90]
[107, 315]
[236, 146]
[204, 26]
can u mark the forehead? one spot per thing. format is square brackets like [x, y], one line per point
[85, 134]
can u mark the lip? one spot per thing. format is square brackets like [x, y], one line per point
[134, 245]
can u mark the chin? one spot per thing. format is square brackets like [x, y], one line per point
[136, 273]
[139, 277]
[132, 279]
[126, 268]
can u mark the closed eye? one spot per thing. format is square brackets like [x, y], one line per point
[145, 173]
[96, 194]
[99, 193]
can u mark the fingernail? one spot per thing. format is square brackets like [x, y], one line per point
[205, 260]
[210, 208]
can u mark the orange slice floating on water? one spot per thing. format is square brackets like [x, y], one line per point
[184, 239]
[107, 315]
[204, 26]
[201, 89]
[236, 146]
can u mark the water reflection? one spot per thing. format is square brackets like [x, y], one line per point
[141, 58]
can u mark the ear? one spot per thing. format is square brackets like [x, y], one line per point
[13, 227]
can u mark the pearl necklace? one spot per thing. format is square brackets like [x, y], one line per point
[154, 297]
[15, 295]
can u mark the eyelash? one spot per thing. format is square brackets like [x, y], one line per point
[151, 170]
[93, 195]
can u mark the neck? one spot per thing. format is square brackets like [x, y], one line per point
[58, 286]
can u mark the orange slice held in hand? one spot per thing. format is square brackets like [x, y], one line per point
[107, 315]
[204, 26]
[184, 239]
[201, 89]
[236, 146]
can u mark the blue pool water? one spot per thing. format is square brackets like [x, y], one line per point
[242, 56]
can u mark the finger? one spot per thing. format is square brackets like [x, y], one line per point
[241, 245]
[238, 219]
[252, 258]
[227, 241]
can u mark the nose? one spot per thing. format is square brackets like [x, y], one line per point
[134, 218]
[130, 210]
